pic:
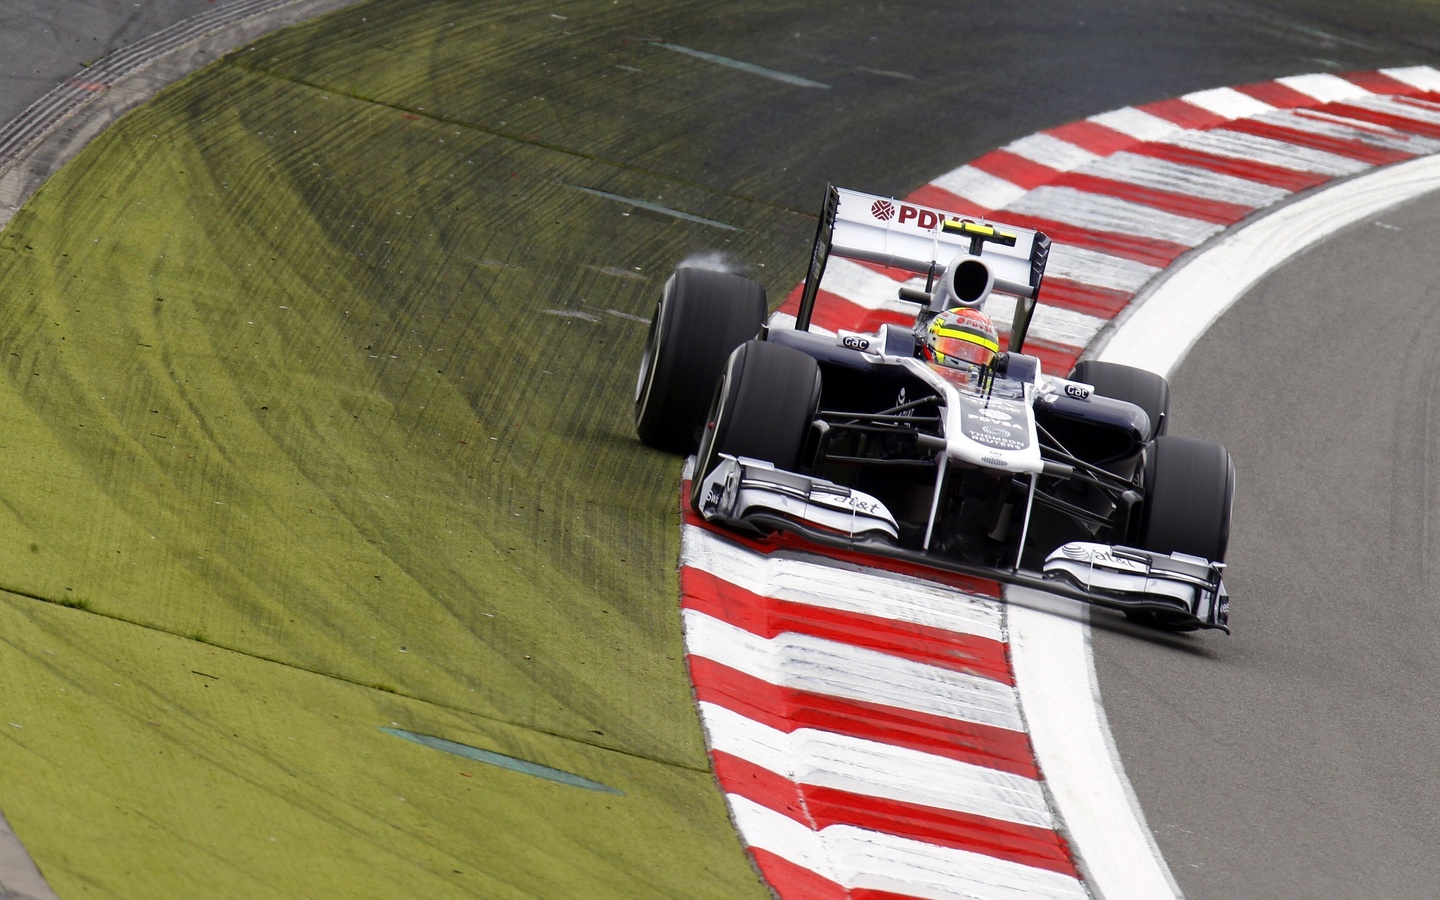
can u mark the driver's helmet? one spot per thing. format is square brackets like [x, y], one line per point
[960, 337]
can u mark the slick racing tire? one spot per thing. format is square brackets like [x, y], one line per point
[1145, 389]
[701, 316]
[763, 409]
[1189, 488]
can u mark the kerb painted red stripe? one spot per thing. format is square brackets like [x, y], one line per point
[825, 807]
[1277, 95]
[1217, 211]
[1182, 113]
[1264, 173]
[775, 791]
[1350, 149]
[1015, 169]
[1098, 139]
[1103, 303]
[1024, 844]
[1386, 119]
[768, 618]
[1380, 83]
[799, 883]
[788, 710]
[835, 312]
[1054, 358]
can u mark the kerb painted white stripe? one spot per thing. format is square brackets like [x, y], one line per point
[820, 666]
[1055, 324]
[1048, 150]
[1137, 124]
[1324, 87]
[785, 320]
[981, 188]
[1227, 102]
[859, 859]
[841, 586]
[1423, 77]
[826, 759]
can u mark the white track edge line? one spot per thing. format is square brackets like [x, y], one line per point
[1050, 643]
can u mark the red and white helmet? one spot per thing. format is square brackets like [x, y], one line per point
[957, 337]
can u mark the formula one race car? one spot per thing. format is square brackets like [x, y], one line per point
[882, 443]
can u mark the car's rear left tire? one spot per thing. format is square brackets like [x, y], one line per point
[700, 317]
[763, 408]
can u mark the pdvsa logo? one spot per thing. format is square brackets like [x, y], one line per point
[924, 219]
[883, 210]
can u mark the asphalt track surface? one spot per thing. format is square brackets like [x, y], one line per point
[1292, 755]
[1290, 759]
[42, 44]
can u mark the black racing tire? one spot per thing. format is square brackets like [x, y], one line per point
[767, 399]
[1189, 489]
[700, 317]
[1143, 388]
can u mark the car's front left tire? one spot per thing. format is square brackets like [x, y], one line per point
[766, 401]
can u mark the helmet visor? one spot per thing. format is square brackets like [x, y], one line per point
[972, 348]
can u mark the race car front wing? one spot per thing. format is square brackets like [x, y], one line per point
[750, 495]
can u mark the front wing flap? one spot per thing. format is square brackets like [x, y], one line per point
[1182, 585]
[739, 487]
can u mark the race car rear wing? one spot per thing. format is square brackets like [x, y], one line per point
[904, 235]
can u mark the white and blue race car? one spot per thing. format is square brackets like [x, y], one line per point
[1070, 485]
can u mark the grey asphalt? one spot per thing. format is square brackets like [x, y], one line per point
[1291, 759]
[43, 42]
[1294, 758]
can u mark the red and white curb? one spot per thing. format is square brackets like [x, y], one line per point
[866, 725]
[1124, 194]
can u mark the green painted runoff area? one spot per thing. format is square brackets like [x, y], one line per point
[317, 376]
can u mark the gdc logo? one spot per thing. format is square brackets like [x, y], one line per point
[883, 210]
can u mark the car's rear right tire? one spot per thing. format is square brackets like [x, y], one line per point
[766, 401]
[1143, 388]
[700, 317]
